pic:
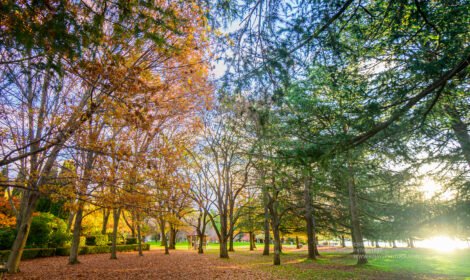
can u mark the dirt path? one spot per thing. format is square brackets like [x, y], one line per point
[154, 265]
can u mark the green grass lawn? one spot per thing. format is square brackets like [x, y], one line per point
[383, 263]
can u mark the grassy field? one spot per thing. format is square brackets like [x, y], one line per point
[400, 263]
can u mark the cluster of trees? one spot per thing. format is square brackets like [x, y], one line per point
[322, 121]
[97, 100]
[328, 112]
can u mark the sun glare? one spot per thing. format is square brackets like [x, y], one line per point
[443, 244]
[431, 188]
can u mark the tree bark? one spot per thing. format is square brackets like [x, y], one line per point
[24, 224]
[172, 245]
[358, 243]
[353, 239]
[309, 219]
[297, 243]
[106, 213]
[223, 237]
[70, 220]
[77, 227]
[116, 216]
[130, 225]
[266, 230]
[200, 249]
[412, 243]
[343, 242]
[394, 244]
[251, 240]
[164, 241]
[254, 240]
[223, 249]
[139, 238]
[277, 240]
[230, 248]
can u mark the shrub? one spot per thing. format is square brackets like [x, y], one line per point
[47, 231]
[59, 239]
[40, 231]
[119, 239]
[82, 242]
[131, 240]
[65, 251]
[62, 251]
[37, 253]
[97, 240]
[31, 253]
[90, 240]
[4, 255]
[7, 236]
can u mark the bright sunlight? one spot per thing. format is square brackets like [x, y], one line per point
[443, 244]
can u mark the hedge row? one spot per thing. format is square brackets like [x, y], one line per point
[65, 251]
[29, 253]
[101, 249]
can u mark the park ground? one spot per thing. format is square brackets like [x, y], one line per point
[187, 264]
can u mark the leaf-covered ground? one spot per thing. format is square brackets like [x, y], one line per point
[188, 265]
[154, 265]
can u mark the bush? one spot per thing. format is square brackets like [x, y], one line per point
[65, 251]
[37, 253]
[7, 236]
[90, 240]
[62, 251]
[131, 240]
[4, 255]
[30, 253]
[59, 239]
[119, 239]
[82, 242]
[97, 240]
[47, 231]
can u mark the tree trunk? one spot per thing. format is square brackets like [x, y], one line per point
[230, 248]
[200, 249]
[297, 243]
[277, 241]
[353, 239]
[223, 250]
[116, 216]
[309, 219]
[377, 244]
[223, 237]
[254, 240]
[106, 213]
[266, 231]
[164, 241]
[412, 243]
[139, 238]
[70, 220]
[77, 228]
[394, 244]
[251, 240]
[24, 224]
[130, 225]
[172, 240]
[343, 242]
[358, 243]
